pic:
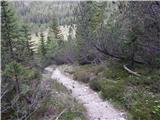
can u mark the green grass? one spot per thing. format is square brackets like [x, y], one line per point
[140, 96]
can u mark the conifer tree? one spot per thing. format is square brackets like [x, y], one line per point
[9, 33]
[26, 39]
[54, 28]
[42, 47]
[70, 33]
[86, 26]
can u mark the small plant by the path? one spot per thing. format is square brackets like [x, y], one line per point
[87, 72]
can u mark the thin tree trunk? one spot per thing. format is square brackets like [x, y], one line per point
[17, 85]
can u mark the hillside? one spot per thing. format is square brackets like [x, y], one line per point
[81, 60]
[40, 12]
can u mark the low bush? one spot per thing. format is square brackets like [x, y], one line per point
[115, 73]
[86, 72]
[72, 116]
[143, 105]
[112, 89]
[151, 82]
[82, 76]
[95, 85]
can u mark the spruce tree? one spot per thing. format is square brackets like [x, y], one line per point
[26, 39]
[70, 33]
[85, 31]
[9, 33]
[54, 28]
[42, 47]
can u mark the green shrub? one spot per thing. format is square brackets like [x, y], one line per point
[150, 82]
[142, 104]
[156, 110]
[112, 89]
[82, 76]
[72, 116]
[145, 109]
[95, 85]
[83, 73]
[115, 73]
[97, 69]
[140, 112]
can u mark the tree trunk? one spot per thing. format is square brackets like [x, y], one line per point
[17, 85]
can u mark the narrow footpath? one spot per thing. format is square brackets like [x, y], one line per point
[97, 109]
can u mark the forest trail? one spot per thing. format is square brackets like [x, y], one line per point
[97, 109]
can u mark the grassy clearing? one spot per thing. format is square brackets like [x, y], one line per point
[140, 96]
[59, 100]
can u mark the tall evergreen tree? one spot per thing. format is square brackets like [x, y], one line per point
[9, 33]
[88, 21]
[54, 28]
[26, 39]
[42, 46]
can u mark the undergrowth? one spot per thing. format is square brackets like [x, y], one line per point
[59, 100]
[140, 96]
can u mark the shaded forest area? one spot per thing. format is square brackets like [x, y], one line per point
[116, 51]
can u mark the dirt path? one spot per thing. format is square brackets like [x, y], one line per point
[97, 109]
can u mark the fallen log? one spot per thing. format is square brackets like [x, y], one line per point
[130, 71]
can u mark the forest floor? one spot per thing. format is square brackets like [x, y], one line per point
[97, 109]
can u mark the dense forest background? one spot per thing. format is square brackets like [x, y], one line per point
[122, 37]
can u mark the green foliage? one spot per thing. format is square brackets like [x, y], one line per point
[112, 89]
[25, 37]
[138, 95]
[141, 103]
[66, 52]
[32, 74]
[51, 46]
[82, 76]
[47, 49]
[54, 28]
[17, 76]
[25, 89]
[15, 69]
[42, 12]
[149, 80]
[99, 29]
[42, 47]
[87, 72]
[9, 33]
[87, 26]
[133, 93]
[95, 85]
[115, 73]
[58, 100]
[72, 116]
